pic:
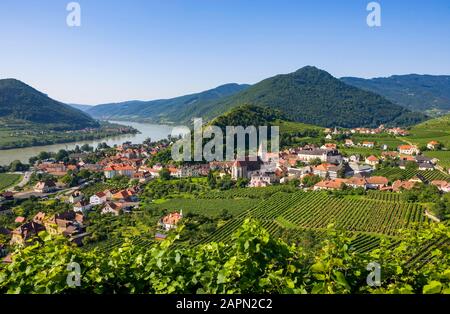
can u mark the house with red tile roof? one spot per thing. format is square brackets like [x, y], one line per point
[45, 186]
[372, 160]
[25, 232]
[433, 145]
[98, 198]
[377, 182]
[368, 144]
[335, 184]
[115, 208]
[171, 220]
[408, 149]
[399, 185]
[113, 170]
[442, 185]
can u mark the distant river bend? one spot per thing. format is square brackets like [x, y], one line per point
[154, 131]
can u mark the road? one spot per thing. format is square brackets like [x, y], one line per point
[28, 194]
[25, 179]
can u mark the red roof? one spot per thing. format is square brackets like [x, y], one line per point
[20, 219]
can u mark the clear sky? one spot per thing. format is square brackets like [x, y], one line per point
[148, 49]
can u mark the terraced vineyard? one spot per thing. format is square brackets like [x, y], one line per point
[208, 207]
[408, 174]
[367, 218]
[385, 196]
[426, 253]
[107, 246]
[247, 192]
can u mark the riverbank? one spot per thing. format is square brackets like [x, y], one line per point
[33, 136]
[154, 131]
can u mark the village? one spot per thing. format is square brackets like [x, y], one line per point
[309, 167]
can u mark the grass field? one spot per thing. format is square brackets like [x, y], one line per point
[8, 179]
[379, 139]
[436, 129]
[293, 127]
[363, 151]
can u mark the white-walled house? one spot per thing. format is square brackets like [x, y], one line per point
[98, 199]
[81, 206]
[408, 149]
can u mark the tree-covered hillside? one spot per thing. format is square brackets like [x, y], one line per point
[179, 109]
[18, 101]
[415, 92]
[313, 96]
[249, 115]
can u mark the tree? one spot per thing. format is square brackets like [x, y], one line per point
[242, 182]
[211, 179]
[341, 172]
[164, 174]
[62, 155]
[17, 165]
[411, 165]
[309, 181]
[315, 162]
[43, 155]
[86, 148]
[70, 180]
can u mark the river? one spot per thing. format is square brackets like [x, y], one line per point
[154, 131]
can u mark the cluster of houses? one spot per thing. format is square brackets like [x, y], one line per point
[379, 183]
[369, 131]
[111, 201]
[69, 224]
[335, 170]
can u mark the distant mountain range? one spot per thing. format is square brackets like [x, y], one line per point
[20, 102]
[415, 92]
[309, 95]
[165, 110]
[81, 107]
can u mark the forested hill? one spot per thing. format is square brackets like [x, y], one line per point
[413, 91]
[311, 95]
[247, 115]
[20, 102]
[179, 109]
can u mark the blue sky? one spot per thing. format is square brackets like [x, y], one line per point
[152, 49]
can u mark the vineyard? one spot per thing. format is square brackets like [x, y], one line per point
[208, 207]
[367, 218]
[252, 193]
[108, 245]
[442, 155]
[384, 196]
[408, 174]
